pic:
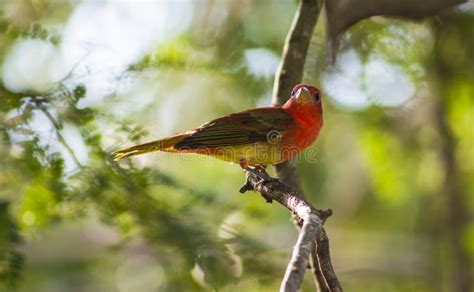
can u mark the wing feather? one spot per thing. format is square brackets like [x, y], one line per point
[243, 128]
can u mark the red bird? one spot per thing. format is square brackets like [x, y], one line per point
[258, 136]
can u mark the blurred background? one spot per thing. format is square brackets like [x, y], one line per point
[80, 79]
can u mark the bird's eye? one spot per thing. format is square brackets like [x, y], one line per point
[317, 96]
[293, 92]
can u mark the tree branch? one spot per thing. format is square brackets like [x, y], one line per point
[326, 276]
[455, 211]
[456, 217]
[342, 14]
[312, 232]
[290, 73]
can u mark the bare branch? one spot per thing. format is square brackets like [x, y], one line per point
[301, 251]
[295, 49]
[326, 276]
[312, 232]
[288, 75]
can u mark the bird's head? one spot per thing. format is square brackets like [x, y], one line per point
[306, 93]
[304, 96]
[305, 105]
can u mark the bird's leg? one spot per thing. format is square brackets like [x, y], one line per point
[260, 171]
[246, 165]
[258, 168]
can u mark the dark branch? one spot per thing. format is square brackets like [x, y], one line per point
[326, 276]
[456, 212]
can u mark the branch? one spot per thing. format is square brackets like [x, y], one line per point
[312, 232]
[320, 255]
[342, 14]
[457, 216]
[290, 73]
[455, 211]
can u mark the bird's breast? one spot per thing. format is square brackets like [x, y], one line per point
[308, 122]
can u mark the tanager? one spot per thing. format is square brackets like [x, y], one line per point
[254, 137]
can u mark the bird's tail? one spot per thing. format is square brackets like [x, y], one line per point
[164, 144]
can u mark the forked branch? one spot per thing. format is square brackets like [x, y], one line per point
[290, 73]
[311, 234]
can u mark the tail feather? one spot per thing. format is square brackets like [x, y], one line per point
[158, 145]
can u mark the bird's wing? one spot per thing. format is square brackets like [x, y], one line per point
[241, 128]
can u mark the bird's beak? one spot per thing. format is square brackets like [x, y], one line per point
[303, 93]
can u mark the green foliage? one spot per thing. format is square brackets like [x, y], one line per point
[378, 168]
[38, 207]
[397, 41]
[37, 31]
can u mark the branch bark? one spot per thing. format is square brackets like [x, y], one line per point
[290, 73]
[312, 235]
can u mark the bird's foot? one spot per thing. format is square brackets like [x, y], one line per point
[249, 187]
[259, 171]
[246, 166]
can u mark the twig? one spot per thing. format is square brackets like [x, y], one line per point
[312, 232]
[57, 128]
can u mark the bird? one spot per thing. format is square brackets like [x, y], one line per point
[252, 138]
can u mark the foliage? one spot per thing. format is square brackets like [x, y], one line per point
[180, 218]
